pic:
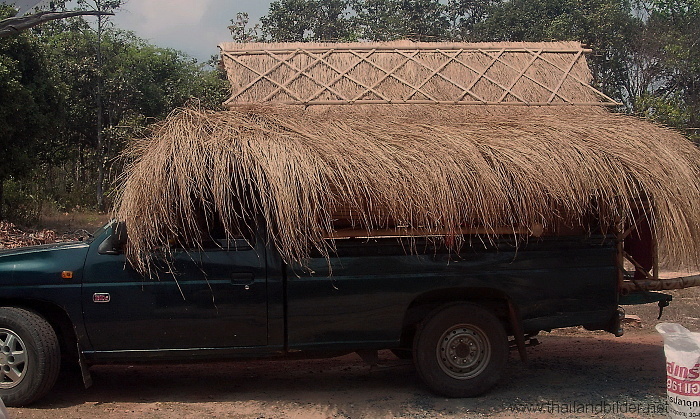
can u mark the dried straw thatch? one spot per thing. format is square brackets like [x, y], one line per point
[400, 72]
[438, 167]
[391, 162]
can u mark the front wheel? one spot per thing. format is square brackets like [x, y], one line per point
[461, 350]
[30, 356]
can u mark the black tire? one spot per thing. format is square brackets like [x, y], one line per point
[30, 356]
[461, 350]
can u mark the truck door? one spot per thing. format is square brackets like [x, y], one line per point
[210, 298]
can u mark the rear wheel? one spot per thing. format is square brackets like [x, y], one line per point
[461, 350]
[30, 356]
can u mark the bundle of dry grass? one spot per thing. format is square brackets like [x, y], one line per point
[549, 73]
[440, 168]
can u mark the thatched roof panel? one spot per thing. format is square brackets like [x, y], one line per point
[544, 73]
[437, 168]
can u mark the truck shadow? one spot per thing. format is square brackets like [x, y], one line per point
[579, 368]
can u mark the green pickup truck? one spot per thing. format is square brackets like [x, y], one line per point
[452, 312]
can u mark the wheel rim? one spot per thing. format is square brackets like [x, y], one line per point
[13, 359]
[463, 351]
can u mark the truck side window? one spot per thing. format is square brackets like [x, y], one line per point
[211, 231]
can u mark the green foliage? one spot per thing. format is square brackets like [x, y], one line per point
[349, 20]
[28, 114]
[670, 111]
[606, 26]
[50, 79]
[385, 20]
[138, 83]
[677, 24]
[465, 14]
[22, 201]
[307, 20]
[240, 31]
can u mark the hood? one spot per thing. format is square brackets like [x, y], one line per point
[43, 248]
[43, 264]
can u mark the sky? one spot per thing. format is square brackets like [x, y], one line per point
[23, 5]
[195, 27]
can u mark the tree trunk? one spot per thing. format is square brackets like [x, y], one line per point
[99, 192]
[100, 136]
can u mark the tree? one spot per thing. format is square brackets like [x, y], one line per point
[140, 83]
[386, 20]
[307, 20]
[676, 23]
[465, 14]
[102, 148]
[606, 26]
[350, 20]
[332, 23]
[28, 115]
[113, 85]
[240, 31]
[54, 92]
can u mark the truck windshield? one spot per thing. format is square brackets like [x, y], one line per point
[100, 231]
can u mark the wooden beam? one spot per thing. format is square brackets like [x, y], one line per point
[233, 103]
[536, 231]
[637, 266]
[444, 47]
[661, 284]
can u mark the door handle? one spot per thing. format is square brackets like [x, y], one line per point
[242, 278]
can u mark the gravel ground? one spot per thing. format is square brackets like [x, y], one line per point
[573, 373]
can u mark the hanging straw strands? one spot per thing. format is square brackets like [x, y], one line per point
[430, 167]
[400, 72]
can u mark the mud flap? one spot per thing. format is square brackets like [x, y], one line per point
[84, 369]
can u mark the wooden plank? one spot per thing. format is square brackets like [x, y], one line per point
[539, 83]
[483, 75]
[655, 256]
[446, 47]
[536, 231]
[261, 76]
[583, 83]
[619, 256]
[661, 284]
[342, 74]
[637, 266]
[233, 104]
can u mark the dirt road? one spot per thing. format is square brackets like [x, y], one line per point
[573, 373]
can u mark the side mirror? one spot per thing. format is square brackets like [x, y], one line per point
[114, 244]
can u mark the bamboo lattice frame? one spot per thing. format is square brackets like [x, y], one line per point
[410, 73]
